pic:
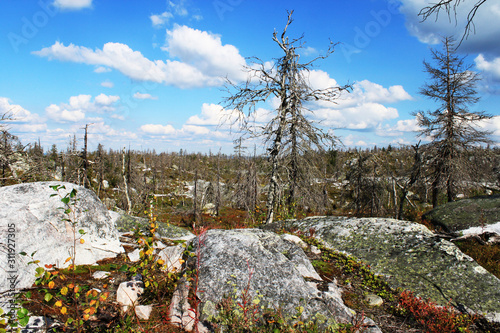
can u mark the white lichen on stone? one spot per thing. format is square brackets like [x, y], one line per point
[480, 270]
[450, 248]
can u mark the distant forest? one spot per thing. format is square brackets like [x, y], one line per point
[388, 181]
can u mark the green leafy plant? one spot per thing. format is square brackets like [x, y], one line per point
[70, 201]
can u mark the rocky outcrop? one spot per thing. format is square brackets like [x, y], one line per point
[409, 256]
[466, 213]
[272, 268]
[32, 221]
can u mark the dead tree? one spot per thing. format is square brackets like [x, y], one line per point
[125, 181]
[414, 177]
[451, 126]
[450, 8]
[289, 132]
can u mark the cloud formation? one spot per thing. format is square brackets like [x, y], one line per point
[362, 109]
[79, 106]
[139, 95]
[73, 4]
[489, 68]
[204, 60]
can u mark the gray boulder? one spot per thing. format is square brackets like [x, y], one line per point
[276, 271]
[31, 220]
[410, 256]
[466, 213]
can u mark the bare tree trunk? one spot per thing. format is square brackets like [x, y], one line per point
[125, 182]
[195, 197]
[217, 195]
[275, 150]
[86, 181]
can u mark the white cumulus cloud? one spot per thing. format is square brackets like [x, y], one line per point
[213, 115]
[73, 4]
[204, 63]
[139, 95]
[159, 20]
[205, 51]
[490, 68]
[79, 106]
[363, 108]
[17, 113]
[157, 129]
[107, 84]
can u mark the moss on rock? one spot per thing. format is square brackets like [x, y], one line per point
[466, 213]
[409, 256]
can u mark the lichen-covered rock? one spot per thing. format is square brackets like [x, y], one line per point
[272, 268]
[32, 222]
[466, 213]
[409, 256]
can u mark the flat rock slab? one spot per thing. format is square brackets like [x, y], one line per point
[410, 257]
[466, 213]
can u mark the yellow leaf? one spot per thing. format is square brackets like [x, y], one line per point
[69, 258]
[82, 240]
[181, 261]
[92, 302]
[51, 284]
[58, 303]
[160, 262]
[64, 291]
[64, 310]
[104, 296]
[86, 316]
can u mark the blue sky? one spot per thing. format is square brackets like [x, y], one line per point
[149, 74]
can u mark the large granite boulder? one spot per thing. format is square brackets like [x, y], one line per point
[466, 213]
[32, 220]
[274, 270]
[410, 256]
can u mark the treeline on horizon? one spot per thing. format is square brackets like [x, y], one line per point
[388, 181]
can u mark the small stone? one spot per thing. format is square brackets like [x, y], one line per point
[374, 300]
[315, 250]
[128, 293]
[143, 311]
[294, 239]
[100, 275]
[35, 324]
[134, 256]
[171, 255]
